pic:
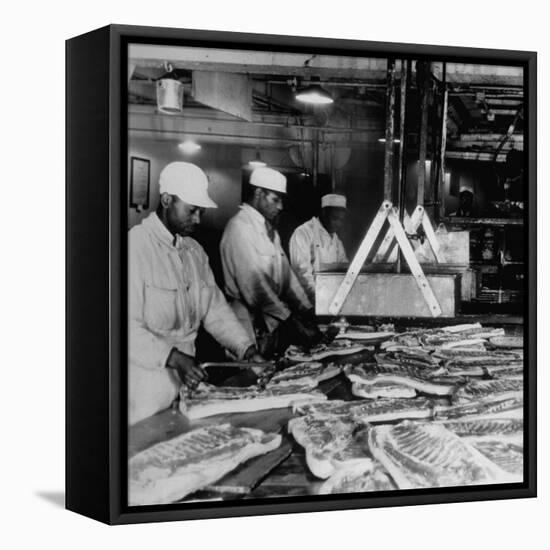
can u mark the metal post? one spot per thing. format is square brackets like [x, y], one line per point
[388, 151]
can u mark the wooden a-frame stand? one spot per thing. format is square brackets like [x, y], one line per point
[396, 234]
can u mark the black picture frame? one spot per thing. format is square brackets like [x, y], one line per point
[140, 182]
[96, 251]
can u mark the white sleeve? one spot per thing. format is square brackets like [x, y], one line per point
[301, 260]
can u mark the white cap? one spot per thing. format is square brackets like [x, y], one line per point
[188, 182]
[332, 199]
[267, 178]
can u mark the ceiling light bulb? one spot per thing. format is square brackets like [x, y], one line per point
[189, 147]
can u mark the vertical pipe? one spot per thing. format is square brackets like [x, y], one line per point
[440, 180]
[441, 206]
[423, 135]
[405, 71]
[315, 157]
[402, 183]
[390, 109]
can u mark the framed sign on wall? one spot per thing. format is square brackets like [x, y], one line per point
[140, 173]
[338, 340]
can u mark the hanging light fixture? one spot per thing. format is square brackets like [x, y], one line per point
[169, 92]
[257, 161]
[314, 94]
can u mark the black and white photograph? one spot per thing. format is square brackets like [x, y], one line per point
[327, 270]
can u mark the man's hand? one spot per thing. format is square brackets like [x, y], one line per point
[252, 356]
[307, 332]
[188, 371]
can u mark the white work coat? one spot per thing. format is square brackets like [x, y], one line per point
[312, 248]
[171, 292]
[262, 288]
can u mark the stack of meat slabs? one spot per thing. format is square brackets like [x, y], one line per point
[361, 477]
[306, 375]
[336, 348]
[499, 439]
[469, 336]
[208, 400]
[330, 442]
[169, 471]
[422, 455]
[394, 380]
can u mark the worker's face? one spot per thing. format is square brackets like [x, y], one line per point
[466, 200]
[181, 218]
[333, 219]
[270, 204]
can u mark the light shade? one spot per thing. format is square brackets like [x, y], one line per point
[314, 94]
[169, 96]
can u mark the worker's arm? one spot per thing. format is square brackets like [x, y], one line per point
[342, 256]
[242, 264]
[302, 261]
[219, 319]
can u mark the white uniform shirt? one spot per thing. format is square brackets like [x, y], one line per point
[313, 248]
[258, 277]
[171, 292]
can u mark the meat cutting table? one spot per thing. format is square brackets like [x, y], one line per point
[280, 473]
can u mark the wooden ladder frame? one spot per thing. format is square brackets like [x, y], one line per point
[395, 234]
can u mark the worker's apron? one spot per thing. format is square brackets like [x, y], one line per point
[153, 390]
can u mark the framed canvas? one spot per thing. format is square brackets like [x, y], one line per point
[325, 298]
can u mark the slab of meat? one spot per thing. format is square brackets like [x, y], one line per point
[487, 427]
[329, 442]
[208, 400]
[411, 377]
[322, 351]
[488, 389]
[171, 470]
[506, 371]
[507, 342]
[367, 411]
[304, 374]
[364, 336]
[503, 407]
[361, 477]
[420, 455]
[506, 454]
[382, 390]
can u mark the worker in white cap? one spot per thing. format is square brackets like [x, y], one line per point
[315, 245]
[171, 292]
[263, 290]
